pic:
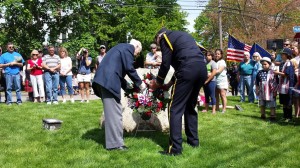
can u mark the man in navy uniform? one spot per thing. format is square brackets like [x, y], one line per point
[180, 51]
[108, 80]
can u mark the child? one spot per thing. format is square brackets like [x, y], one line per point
[286, 82]
[210, 83]
[266, 88]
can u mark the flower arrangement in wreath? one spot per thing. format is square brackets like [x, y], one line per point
[149, 102]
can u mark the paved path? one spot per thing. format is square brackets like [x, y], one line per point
[25, 97]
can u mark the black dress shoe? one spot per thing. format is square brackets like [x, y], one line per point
[170, 153]
[121, 148]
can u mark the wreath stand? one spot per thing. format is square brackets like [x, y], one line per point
[143, 129]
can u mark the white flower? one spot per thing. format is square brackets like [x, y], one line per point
[166, 95]
[147, 81]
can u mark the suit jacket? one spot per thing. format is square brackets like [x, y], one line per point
[117, 63]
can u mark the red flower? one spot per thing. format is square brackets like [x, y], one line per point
[149, 104]
[160, 105]
[135, 96]
[148, 113]
[148, 76]
[137, 104]
[158, 109]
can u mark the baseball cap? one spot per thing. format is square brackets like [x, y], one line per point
[102, 46]
[287, 51]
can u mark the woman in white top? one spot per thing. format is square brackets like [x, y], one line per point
[222, 81]
[65, 74]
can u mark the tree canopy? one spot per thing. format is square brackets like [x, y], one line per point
[86, 23]
[248, 20]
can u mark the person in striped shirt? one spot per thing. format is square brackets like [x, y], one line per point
[51, 65]
[287, 81]
[266, 88]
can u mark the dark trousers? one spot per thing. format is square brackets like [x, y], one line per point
[189, 80]
[3, 84]
[234, 89]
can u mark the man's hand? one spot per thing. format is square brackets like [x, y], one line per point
[143, 87]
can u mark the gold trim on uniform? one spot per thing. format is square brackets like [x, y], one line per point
[169, 110]
[168, 41]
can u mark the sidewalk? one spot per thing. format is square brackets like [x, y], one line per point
[25, 97]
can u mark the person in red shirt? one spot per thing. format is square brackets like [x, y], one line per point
[36, 76]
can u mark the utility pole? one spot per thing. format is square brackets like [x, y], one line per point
[220, 24]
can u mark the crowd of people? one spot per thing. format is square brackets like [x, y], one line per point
[260, 77]
[45, 77]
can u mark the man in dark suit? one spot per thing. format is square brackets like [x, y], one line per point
[180, 51]
[108, 80]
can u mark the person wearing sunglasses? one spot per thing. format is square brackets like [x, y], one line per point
[12, 62]
[100, 56]
[36, 76]
[278, 60]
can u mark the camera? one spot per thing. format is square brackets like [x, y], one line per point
[84, 50]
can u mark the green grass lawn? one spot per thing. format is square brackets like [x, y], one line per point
[233, 139]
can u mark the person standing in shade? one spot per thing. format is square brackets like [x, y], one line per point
[180, 51]
[233, 71]
[107, 84]
[84, 74]
[51, 65]
[12, 62]
[100, 57]
[245, 77]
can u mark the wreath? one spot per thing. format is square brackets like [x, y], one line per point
[149, 102]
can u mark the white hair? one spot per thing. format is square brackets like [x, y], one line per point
[257, 54]
[137, 44]
[246, 53]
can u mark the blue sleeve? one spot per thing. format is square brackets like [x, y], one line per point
[278, 58]
[1, 60]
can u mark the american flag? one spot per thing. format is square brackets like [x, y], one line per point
[236, 49]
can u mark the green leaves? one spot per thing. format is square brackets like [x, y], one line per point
[88, 23]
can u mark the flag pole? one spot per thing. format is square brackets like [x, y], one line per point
[220, 24]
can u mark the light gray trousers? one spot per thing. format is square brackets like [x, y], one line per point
[113, 119]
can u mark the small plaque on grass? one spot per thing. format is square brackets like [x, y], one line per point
[52, 124]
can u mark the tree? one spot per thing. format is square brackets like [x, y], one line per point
[88, 23]
[249, 20]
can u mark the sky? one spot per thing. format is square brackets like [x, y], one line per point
[192, 7]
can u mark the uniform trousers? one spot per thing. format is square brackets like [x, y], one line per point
[113, 119]
[189, 79]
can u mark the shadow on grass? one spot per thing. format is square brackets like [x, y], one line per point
[96, 134]
[295, 122]
[160, 138]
